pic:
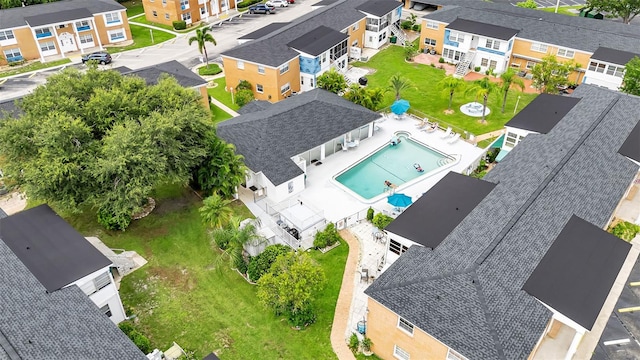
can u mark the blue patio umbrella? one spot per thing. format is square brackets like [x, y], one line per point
[400, 107]
[399, 200]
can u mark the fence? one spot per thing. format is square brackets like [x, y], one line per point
[419, 115]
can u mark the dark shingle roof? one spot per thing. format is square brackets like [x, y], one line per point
[15, 17]
[65, 324]
[379, 7]
[54, 252]
[266, 30]
[318, 40]
[567, 31]
[325, 2]
[544, 113]
[543, 182]
[184, 76]
[272, 50]
[3, 214]
[613, 56]
[268, 139]
[431, 218]
[576, 274]
[488, 30]
[58, 17]
[253, 106]
[631, 146]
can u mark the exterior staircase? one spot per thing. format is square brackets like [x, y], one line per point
[402, 37]
[463, 66]
[335, 66]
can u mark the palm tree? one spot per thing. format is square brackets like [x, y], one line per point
[482, 89]
[399, 84]
[215, 211]
[509, 78]
[357, 94]
[450, 84]
[202, 37]
[376, 97]
[235, 236]
[332, 81]
[223, 170]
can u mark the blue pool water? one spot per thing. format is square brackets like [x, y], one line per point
[392, 163]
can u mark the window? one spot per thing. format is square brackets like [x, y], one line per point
[203, 10]
[290, 186]
[566, 53]
[166, 16]
[260, 69]
[493, 44]
[284, 68]
[382, 36]
[117, 35]
[356, 26]
[400, 353]
[513, 139]
[259, 88]
[615, 71]
[432, 25]
[106, 310]
[530, 64]
[493, 64]
[6, 35]
[86, 39]
[405, 325]
[184, 4]
[452, 54]
[484, 62]
[112, 18]
[597, 67]
[155, 13]
[539, 47]
[83, 25]
[102, 280]
[240, 65]
[13, 55]
[186, 16]
[47, 46]
[283, 90]
[42, 33]
[164, 2]
[355, 42]
[339, 50]
[431, 42]
[397, 248]
[311, 82]
[454, 36]
[62, 26]
[323, 58]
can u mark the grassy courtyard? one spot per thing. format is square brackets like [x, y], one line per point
[221, 94]
[187, 294]
[564, 10]
[142, 38]
[428, 98]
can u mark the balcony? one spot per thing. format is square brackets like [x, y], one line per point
[43, 35]
[84, 28]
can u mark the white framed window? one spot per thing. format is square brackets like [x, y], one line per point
[452, 54]
[484, 62]
[596, 66]
[493, 64]
[186, 16]
[117, 35]
[290, 186]
[260, 69]
[106, 310]
[154, 13]
[432, 25]
[83, 25]
[203, 10]
[457, 37]
[530, 64]
[47, 46]
[240, 65]
[355, 26]
[259, 88]
[284, 68]
[184, 4]
[539, 47]
[12, 55]
[566, 53]
[492, 44]
[102, 280]
[62, 26]
[617, 71]
[513, 139]
[405, 325]
[430, 42]
[112, 18]
[43, 32]
[86, 39]
[166, 16]
[396, 247]
[311, 82]
[400, 353]
[6, 35]
[164, 2]
[323, 59]
[285, 88]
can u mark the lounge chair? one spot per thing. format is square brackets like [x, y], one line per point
[454, 138]
[422, 124]
[431, 128]
[446, 134]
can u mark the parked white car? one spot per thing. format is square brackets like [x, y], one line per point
[277, 3]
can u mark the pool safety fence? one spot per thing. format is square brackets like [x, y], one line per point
[418, 115]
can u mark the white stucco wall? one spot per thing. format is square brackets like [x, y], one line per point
[107, 295]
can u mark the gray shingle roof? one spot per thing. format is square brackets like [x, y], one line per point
[475, 27]
[318, 40]
[253, 106]
[268, 139]
[631, 146]
[567, 31]
[614, 56]
[64, 324]
[272, 50]
[265, 30]
[379, 8]
[184, 76]
[15, 17]
[58, 17]
[544, 182]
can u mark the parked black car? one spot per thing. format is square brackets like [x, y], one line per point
[262, 9]
[101, 57]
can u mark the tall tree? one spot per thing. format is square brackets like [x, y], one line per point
[236, 236]
[399, 84]
[202, 37]
[101, 140]
[549, 74]
[216, 211]
[509, 79]
[222, 170]
[483, 88]
[631, 80]
[371, 98]
[332, 81]
[627, 10]
[449, 85]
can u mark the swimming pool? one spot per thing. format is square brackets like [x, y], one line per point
[391, 163]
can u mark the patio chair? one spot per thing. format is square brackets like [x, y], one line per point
[454, 138]
[446, 134]
[431, 128]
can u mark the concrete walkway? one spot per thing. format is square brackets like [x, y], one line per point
[343, 307]
[224, 107]
[156, 28]
[489, 135]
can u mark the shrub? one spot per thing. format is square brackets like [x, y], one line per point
[112, 221]
[327, 237]
[625, 230]
[243, 97]
[16, 63]
[441, 60]
[240, 263]
[381, 220]
[222, 242]
[302, 317]
[245, 4]
[370, 214]
[141, 341]
[366, 344]
[212, 69]
[406, 25]
[415, 27]
[244, 85]
[354, 343]
[476, 69]
[528, 4]
[126, 327]
[179, 25]
[433, 65]
[260, 265]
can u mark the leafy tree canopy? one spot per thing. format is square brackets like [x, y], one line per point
[332, 81]
[528, 4]
[550, 73]
[627, 10]
[102, 140]
[631, 80]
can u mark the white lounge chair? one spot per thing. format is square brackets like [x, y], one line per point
[431, 128]
[446, 133]
[454, 138]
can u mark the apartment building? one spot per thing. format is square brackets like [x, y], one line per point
[191, 11]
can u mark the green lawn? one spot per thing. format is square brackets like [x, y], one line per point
[37, 65]
[133, 7]
[188, 295]
[564, 10]
[221, 94]
[218, 115]
[142, 38]
[427, 98]
[143, 20]
[484, 143]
